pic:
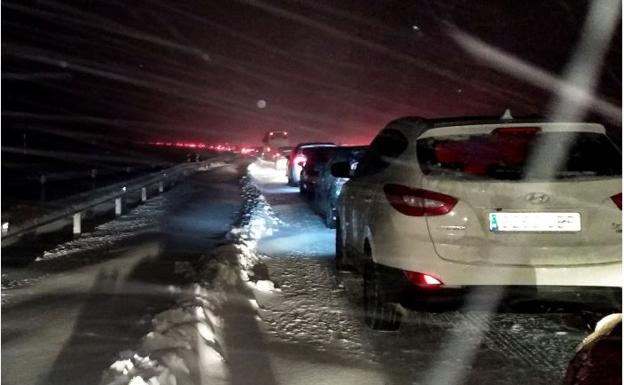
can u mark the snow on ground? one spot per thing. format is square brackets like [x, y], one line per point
[322, 310]
[143, 218]
[186, 343]
[269, 308]
[140, 219]
[93, 304]
[182, 348]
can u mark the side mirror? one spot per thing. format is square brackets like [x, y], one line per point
[341, 170]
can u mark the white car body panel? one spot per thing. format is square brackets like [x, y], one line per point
[458, 247]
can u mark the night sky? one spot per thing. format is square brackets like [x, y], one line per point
[330, 70]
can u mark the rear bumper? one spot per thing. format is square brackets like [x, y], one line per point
[405, 242]
[527, 297]
[495, 296]
[603, 275]
[417, 254]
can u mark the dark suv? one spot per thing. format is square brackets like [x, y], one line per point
[298, 159]
[316, 160]
[328, 187]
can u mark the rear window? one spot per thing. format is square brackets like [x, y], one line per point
[506, 156]
[318, 154]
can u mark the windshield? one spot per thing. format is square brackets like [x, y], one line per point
[318, 155]
[508, 156]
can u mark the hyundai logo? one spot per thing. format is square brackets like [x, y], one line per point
[537, 198]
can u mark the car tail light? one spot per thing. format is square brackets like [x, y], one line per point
[617, 199]
[300, 159]
[421, 279]
[418, 202]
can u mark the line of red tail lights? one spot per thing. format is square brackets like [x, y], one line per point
[196, 145]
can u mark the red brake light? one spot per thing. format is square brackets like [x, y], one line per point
[421, 279]
[516, 130]
[300, 159]
[617, 199]
[418, 202]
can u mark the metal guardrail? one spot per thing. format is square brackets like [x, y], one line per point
[75, 205]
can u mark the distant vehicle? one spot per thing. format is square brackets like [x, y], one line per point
[440, 204]
[316, 159]
[280, 157]
[328, 187]
[272, 141]
[251, 151]
[298, 158]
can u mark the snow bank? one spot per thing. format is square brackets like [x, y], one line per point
[184, 344]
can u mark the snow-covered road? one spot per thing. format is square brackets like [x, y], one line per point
[65, 317]
[267, 306]
[316, 331]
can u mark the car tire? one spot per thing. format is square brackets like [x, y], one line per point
[339, 257]
[380, 309]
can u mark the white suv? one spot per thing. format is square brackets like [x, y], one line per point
[441, 204]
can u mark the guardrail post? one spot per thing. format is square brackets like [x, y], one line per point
[77, 223]
[161, 186]
[5, 228]
[143, 194]
[117, 206]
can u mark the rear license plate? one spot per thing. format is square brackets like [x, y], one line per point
[535, 222]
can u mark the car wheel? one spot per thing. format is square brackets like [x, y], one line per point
[380, 309]
[330, 222]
